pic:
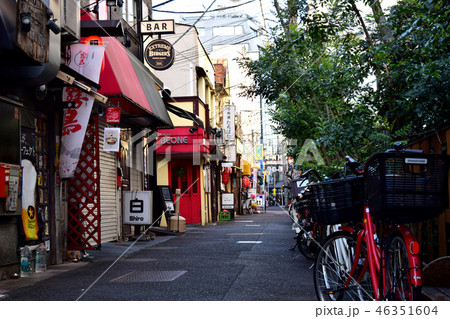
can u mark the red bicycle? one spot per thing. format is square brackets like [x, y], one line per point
[363, 263]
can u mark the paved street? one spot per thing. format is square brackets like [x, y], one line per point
[245, 259]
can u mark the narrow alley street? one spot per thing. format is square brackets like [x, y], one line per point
[245, 259]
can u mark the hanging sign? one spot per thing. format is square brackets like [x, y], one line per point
[113, 114]
[86, 60]
[228, 122]
[159, 54]
[158, 27]
[111, 141]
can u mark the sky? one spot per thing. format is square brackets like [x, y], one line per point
[251, 7]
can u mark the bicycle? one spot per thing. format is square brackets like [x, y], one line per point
[309, 232]
[312, 228]
[355, 264]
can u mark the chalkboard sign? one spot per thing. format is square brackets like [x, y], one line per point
[166, 193]
[167, 199]
[28, 144]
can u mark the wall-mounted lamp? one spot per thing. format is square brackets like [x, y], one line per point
[193, 129]
[114, 3]
[51, 23]
[25, 21]
[217, 132]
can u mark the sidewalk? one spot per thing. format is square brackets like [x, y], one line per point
[109, 252]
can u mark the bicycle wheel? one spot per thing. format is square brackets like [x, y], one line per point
[307, 244]
[398, 275]
[333, 266]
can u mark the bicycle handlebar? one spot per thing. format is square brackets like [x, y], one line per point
[352, 164]
[400, 147]
[309, 172]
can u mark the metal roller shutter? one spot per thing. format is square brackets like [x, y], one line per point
[108, 191]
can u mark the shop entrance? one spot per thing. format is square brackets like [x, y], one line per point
[185, 176]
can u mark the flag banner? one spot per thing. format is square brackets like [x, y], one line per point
[86, 60]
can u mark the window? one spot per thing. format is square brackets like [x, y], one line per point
[129, 12]
[201, 32]
[230, 30]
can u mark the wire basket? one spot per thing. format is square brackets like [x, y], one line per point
[338, 201]
[406, 187]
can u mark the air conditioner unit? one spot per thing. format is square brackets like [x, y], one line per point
[70, 17]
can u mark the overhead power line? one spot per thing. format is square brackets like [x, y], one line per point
[161, 4]
[199, 12]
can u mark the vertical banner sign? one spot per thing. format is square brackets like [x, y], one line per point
[86, 60]
[259, 152]
[254, 178]
[29, 211]
[228, 122]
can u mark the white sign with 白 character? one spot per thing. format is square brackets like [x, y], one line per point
[138, 208]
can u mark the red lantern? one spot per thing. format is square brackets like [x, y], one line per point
[245, 182]
[225, 176]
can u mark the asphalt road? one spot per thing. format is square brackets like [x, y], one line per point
[247, 259]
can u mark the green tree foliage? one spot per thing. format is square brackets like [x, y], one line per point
[351, 83]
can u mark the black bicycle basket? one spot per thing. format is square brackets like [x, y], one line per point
[406, 187]
[338, 201]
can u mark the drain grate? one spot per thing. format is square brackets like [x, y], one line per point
[150, 276]
[161, 248]
[138, 260]
[129, 244]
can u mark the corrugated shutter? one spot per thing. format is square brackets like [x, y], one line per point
[108, 191]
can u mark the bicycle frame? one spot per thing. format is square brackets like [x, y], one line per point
[414, 257]
[373, 252]
[374, 259]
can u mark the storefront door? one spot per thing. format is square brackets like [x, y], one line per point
[186, 177]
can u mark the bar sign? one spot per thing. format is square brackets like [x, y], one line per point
[158, 27]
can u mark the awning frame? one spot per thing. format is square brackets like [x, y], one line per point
[72, 81]
[185, 114]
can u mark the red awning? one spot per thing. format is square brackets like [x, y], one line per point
[129, 84]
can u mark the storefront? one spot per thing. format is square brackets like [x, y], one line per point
[181, 154]
[29, 116]
[104, 172]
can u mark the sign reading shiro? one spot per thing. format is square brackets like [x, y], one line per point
[138, 208]
[159, 54]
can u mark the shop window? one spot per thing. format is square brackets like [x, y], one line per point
[179, 178]
[9, 137]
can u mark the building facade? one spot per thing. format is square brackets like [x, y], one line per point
[45, 48]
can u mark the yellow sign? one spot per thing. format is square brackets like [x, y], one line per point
[246, 168]
[259, 152]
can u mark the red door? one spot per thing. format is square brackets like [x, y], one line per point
[186, 177]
